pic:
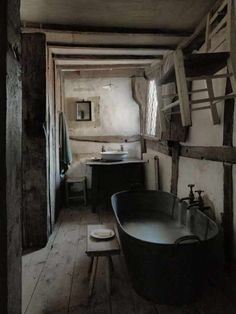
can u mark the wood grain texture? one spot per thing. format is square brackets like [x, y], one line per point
[101, 248]
[228, 117]
[107, 139]
[175, 167]
[214, 153]
[228, 214]
[10, 158]
[62, 286]
[34, 213]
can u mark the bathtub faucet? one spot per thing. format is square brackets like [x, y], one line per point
[194, 204]
[190, 197]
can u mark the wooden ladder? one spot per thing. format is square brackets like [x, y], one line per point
[223, 17]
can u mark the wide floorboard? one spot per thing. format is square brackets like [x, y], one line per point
[55, 278]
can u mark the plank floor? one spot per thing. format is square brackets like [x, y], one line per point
[55, 278]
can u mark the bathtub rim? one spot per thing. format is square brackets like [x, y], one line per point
[163, 244]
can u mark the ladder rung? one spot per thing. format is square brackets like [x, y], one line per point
[223, 5]
[199, 101]
[205, 77]
[173, 104]
[218, 27]
[201, 108]
[190, 93]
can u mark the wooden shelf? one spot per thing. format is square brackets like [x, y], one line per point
[197, 65]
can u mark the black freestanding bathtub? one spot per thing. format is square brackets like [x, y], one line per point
[169, 250]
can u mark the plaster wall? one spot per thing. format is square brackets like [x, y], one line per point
[206, 175]
[114, 113]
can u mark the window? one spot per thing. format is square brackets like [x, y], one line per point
[151, 112]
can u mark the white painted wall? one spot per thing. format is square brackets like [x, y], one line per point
[206, 175]
[114, 112]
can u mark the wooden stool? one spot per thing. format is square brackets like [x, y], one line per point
[96, 248]
[76, 180]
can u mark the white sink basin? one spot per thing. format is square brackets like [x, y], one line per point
[113, 155]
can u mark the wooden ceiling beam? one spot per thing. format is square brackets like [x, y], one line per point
[101, 62]
[108, 73]
[100, 67]
[106, 57]
[162, 48]
[67, 50]
[105, 30]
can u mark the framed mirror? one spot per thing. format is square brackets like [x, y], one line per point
[83, 111]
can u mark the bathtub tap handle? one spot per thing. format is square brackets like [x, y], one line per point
[191, 194]
[200, 199]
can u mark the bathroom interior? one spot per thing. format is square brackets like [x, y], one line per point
[127, 134]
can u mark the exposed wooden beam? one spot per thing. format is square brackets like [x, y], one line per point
[105, 57]
[107, 139]
[214, 153]
[120, 30]
[175, 167]
[121, 46]
[100, 62]
[99, 67]
[228, 215]
[155, 144]
[109, 73]
[107, 39]
[228, 117]
[140, 51]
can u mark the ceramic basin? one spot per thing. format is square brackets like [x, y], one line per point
[114, 155]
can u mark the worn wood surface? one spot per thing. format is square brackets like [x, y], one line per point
[101, 248]
[175, 167]
[157, 145]
[214, 153]
[228, 117]
[228, 215]
[35, 202]
[10, 158]
[60, 278]
[107, 139]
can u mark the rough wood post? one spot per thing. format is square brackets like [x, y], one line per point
[10, 158]
[228, 178]
[182, 88]
[175, 167]
[35, 200]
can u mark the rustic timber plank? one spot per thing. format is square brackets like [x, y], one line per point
[182, 88]
[214, 153]
[79, 301]
[175, 167]
[228, 213]
[214, 113]
[33, 265]
[123, 299]
[101, 248]
[10, 157]
[156, 144]
[36, 226]
[228, 117]
[107, 139]
[53, 290]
